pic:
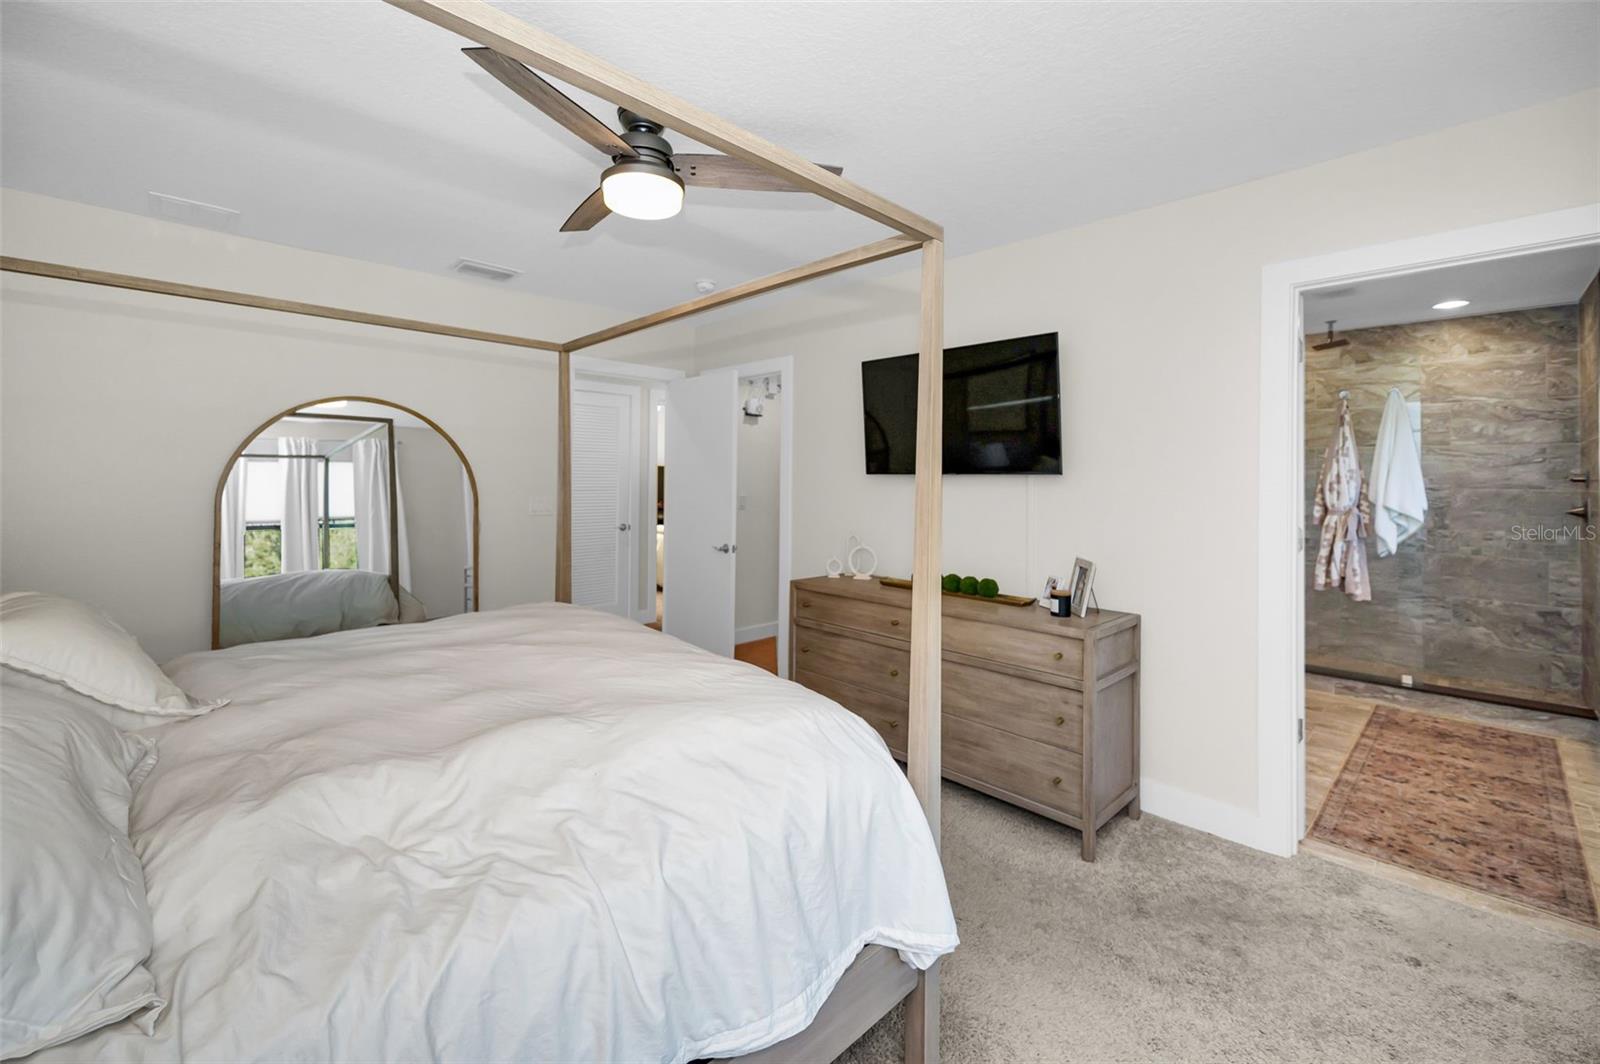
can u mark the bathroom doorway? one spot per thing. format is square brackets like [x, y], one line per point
[1451, 418]
[1282, 583]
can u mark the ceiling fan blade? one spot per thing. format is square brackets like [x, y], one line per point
[724, 171]
[590, 213]
[551, 100]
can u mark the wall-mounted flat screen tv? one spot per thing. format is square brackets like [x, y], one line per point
[1002, 408]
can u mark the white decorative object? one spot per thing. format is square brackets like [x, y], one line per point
[835, 567]
[855, 547]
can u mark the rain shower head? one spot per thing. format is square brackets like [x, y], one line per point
[1330, 342]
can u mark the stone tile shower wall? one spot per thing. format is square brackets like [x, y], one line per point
[1489, 596]
[1589, 420]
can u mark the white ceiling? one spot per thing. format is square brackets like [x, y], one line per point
[1543, 279]
[356, 129]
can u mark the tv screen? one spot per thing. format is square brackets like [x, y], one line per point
[1002, 409]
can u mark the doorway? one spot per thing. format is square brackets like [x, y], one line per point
[1449, 418]
[1279, 820]
[605, 474]
[1286, 490]
[727, 515]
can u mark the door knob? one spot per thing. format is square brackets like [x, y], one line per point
[726, 548]
[624, 527]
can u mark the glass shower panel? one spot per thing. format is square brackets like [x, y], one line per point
[1487, 598]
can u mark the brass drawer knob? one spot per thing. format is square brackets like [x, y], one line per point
[894, 724]
[894, 624]
[805, 650]
[1056, 782]
[894, 672]
[805, 604]
[1058, 655]
[1060, 721]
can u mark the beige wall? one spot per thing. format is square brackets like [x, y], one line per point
[431, 485]
[1159, 315]
[118, 409]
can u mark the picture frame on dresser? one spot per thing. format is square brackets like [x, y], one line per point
[1082, 585]
[1040, 711]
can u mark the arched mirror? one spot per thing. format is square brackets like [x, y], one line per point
[342, 513]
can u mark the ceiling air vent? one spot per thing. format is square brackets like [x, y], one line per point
[487, 271]
[193, 212]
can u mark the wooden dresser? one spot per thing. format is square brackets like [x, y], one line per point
[1040, 711]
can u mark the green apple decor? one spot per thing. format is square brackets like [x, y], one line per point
[977, 587]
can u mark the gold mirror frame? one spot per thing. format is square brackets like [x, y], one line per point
[227, 468]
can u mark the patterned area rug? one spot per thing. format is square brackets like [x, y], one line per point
[1482, 807]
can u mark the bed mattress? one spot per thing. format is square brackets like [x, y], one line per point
[539, 833]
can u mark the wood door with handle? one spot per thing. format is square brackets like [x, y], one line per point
[702, 481]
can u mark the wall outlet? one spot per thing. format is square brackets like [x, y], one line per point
[744, 503]
[1406, 680]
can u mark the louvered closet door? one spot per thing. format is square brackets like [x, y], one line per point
[602, 517]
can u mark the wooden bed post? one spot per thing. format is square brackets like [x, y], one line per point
[922, 748]
[564, 478]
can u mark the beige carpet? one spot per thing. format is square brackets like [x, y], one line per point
[1177, 946]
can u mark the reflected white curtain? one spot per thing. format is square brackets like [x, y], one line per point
[369, 460]
[232, 520]
[302, 504]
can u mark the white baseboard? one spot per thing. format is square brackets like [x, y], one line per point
[752, 632]
[1231, 822]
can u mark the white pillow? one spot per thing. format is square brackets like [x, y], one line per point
[73, 912]
[81, 648]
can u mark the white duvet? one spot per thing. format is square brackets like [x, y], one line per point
[541, 833]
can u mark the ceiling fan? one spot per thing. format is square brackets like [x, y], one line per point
[646, 178]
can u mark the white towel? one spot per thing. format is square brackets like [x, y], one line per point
[1399, 496]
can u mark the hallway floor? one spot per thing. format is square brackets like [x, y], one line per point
[1338, 712]
[762, 652]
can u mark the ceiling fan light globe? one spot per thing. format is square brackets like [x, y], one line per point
[643, 191]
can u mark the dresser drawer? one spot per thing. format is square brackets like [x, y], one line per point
[886, 713]
[853, 613]
[854, 661]
[1028, 708]
[995, 759]
[1014, 646]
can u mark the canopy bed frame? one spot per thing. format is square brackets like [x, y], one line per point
[877, 981]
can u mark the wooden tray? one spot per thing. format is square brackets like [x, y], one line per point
[1004, 600]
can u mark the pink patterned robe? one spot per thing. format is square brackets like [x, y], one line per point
[1342, 509]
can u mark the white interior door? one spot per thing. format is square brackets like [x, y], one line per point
[702, 474]
[603, 492]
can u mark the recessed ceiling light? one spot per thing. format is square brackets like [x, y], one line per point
[1451, 304]
[705, 285]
